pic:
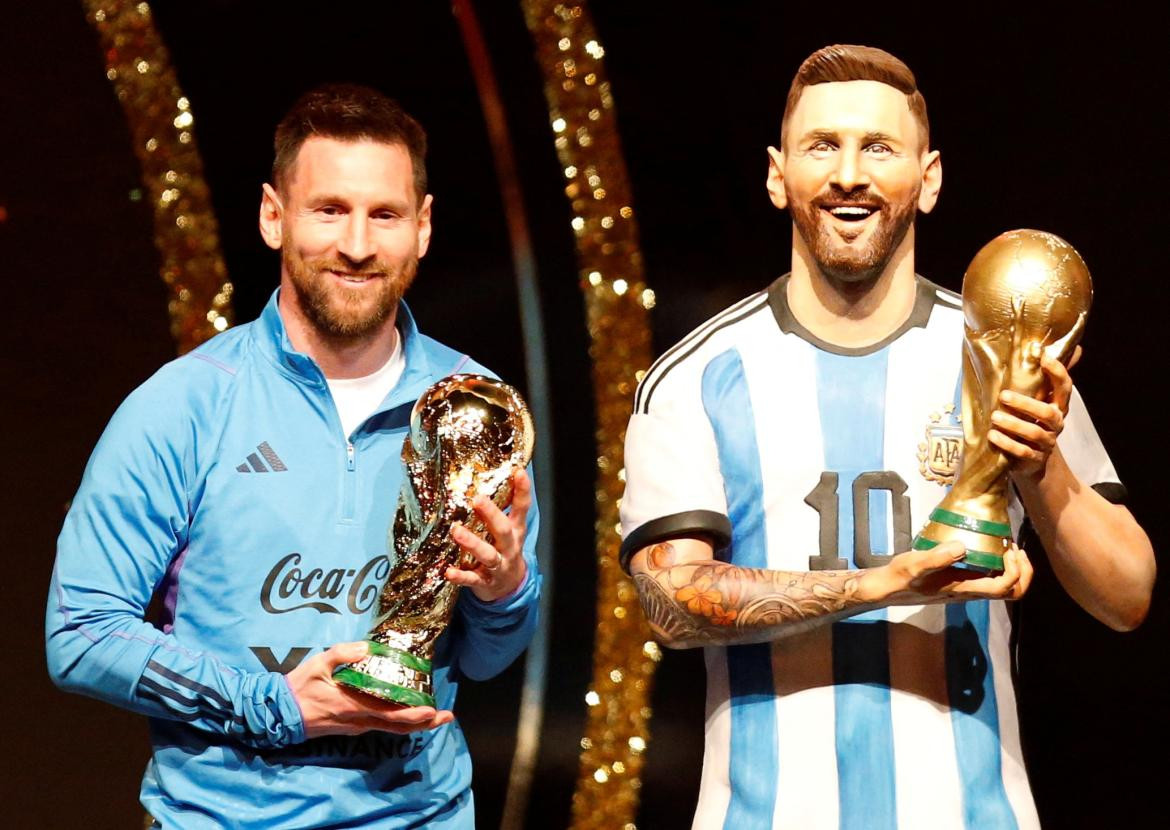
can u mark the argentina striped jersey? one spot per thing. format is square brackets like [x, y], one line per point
[796, 455]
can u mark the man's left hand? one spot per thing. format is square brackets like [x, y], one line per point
[500, 567]
[1026, 428]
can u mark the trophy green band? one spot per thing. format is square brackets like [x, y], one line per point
[977, 559]
[391, 674]
[1026, 294]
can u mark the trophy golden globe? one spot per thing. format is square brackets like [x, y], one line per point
[468, 434]
[1025, 294]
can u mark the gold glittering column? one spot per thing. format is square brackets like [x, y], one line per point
[162, 129]
[582, 118]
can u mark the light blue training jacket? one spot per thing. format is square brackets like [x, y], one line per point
[225, 488]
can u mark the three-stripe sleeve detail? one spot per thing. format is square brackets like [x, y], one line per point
[688, 345]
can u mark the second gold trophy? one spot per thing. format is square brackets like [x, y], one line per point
[1025, 294]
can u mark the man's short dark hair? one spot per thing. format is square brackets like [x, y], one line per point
[858, 63]
[348, 112]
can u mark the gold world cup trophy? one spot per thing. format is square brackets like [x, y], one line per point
[1025, 294]
[468, 434]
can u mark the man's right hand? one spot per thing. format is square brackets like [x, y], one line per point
[921, 577]
[329, 708]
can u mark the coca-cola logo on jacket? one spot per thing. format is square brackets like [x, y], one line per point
[290, 586]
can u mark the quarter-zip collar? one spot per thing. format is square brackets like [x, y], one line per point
[272, 339]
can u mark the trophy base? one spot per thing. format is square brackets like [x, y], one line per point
[389, 674]
[979, 536]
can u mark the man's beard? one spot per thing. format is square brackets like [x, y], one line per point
[338, 311]
[831, 255]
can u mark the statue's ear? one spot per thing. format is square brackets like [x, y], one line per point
[775, 180]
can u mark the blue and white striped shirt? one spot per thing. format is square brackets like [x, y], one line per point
[903, 717]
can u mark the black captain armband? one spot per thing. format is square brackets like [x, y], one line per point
[1112, 491]
[708, 523]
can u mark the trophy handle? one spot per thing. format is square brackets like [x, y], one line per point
[1063, 348]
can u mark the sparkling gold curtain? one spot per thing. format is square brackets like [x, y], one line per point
[162, 127]
[584, 128]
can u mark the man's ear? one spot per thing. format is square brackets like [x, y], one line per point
[271, 217]
[424, 226]
[775, 183]
[931, 181]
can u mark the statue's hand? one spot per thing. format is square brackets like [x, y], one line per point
[920, 577]
[1026, 428]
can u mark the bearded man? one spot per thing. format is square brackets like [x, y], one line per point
[248, 486]
[774, 479]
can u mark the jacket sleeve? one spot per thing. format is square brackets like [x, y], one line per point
[128, 522]
[494, 634]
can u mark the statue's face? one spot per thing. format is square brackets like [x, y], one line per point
[853, 175]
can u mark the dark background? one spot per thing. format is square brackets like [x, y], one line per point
[1048, 119]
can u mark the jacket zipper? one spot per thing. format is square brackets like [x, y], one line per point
[347, 506]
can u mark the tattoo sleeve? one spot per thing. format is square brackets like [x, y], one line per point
[714, 603]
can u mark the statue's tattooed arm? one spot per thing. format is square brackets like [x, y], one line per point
[710, 603]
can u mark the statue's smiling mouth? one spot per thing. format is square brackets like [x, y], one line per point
[851, 213]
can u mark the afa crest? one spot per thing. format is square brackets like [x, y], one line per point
[939, 454]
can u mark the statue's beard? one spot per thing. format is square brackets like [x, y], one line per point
[834, 257]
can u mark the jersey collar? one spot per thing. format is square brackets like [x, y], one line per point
[924, 300]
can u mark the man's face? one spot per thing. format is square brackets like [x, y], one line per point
[351, 234]
[852, 173]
